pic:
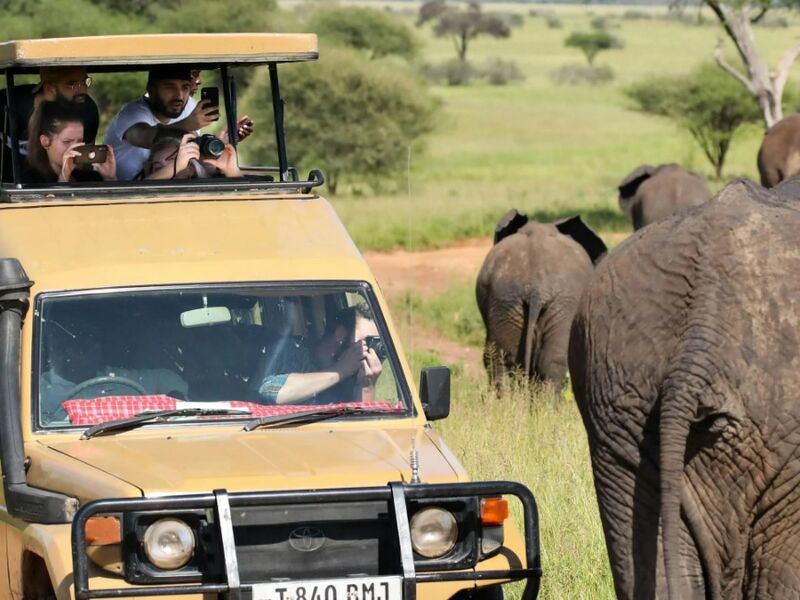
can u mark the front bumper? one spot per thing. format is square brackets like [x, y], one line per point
[395, 494]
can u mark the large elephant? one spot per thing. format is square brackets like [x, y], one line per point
[527, 291]
[779, 154]
[685, 362]
[649, 194]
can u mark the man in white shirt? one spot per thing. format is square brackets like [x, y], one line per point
[167, 103]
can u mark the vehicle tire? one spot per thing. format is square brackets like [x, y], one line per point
[489, 592]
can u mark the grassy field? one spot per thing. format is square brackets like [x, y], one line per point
[545, 148]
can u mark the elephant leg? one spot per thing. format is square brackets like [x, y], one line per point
[550, 361]
[505, 341]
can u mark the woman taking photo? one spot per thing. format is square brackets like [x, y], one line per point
[56, 133]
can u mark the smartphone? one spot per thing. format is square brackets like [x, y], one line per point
[212, 95]
[91, 153]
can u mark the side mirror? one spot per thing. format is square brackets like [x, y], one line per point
[434, 390]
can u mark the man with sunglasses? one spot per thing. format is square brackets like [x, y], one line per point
[56, 83]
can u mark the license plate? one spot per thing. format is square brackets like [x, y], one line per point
[350, 588]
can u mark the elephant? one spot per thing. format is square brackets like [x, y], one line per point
[649, 194]
[684, 358]
[779, 154]
[527, 291]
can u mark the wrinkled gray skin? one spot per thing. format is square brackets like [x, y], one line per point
[685, 363]
[649, 194]
[527, 291]
[779, 154]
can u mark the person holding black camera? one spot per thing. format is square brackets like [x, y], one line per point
[344, 365]
[56, 150]
[189, 156]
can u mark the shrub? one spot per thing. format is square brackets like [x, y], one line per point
[451, 72]
[633, 14]
[501, 72]
[353, 118]
[553, 22]
[579, 74]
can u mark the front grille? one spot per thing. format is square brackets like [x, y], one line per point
[319, 540]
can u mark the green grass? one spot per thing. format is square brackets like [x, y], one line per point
[453, 313]
[526, 436]
[547, 149]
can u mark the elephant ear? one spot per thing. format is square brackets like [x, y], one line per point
[579, 231]
[509, 224]
[628, 186]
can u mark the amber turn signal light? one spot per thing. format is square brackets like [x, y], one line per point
[103, 531]
[494, 511]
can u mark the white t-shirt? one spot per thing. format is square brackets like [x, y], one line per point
[130, 158]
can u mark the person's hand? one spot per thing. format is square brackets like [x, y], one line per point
[226, 162]
[202, 116]
[349, 360]
[108, 169]
[244, 127]
[370, 369]
[68, 162]
[187, 151]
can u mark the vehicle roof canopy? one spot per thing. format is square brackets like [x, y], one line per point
[96, 52]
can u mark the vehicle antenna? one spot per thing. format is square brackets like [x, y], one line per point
[414, 462]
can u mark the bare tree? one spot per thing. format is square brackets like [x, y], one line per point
[737, 18]
[462, 25]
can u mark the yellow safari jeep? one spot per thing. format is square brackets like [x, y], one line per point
[149, 330]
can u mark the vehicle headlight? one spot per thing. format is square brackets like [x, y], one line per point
[434, 532]
[169, 543]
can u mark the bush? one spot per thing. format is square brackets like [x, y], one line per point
[451, 72]
[636, 15]
[773, 22]
[580, 74]
[373, 31]
[553, 22]
[602, 24]
[353, 118]
[501, 72]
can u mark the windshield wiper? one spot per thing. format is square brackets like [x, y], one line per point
[159, 416]
[312, 416]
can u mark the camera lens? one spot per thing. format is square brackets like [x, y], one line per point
[210, 146]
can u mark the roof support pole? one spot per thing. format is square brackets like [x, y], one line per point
[16, 158]
[277, 109]
[229, 91]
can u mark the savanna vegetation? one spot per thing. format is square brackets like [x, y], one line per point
[443, 159]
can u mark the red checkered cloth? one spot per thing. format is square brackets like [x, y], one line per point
[109, 408]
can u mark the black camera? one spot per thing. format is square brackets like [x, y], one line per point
[374, 342]
[210, 145]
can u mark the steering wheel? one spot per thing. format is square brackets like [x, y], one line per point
[137, 387]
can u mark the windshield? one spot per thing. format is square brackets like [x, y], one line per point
[263, 350]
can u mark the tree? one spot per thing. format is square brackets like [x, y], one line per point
[765, 85]
[707, 103]
[462, 25]
[353, 118]
[375, 32]
[592, 42]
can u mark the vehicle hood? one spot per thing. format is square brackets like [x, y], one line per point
[167, 463]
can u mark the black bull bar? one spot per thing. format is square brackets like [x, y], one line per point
[395, 493]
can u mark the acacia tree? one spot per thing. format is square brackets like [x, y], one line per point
[592, 42]
[707, 103]
[737, 18]
[373, 31]
[462, 25]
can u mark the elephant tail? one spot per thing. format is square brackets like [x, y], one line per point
[674, 424]
[534, 307]
[676, 416]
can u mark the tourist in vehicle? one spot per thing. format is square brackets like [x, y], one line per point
[56, 134]
[340, 368]
[167, 103]
[56, 83]
[174, 157]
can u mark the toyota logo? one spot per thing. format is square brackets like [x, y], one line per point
[306, 539]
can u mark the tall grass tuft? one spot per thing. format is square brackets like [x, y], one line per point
[527, 435]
